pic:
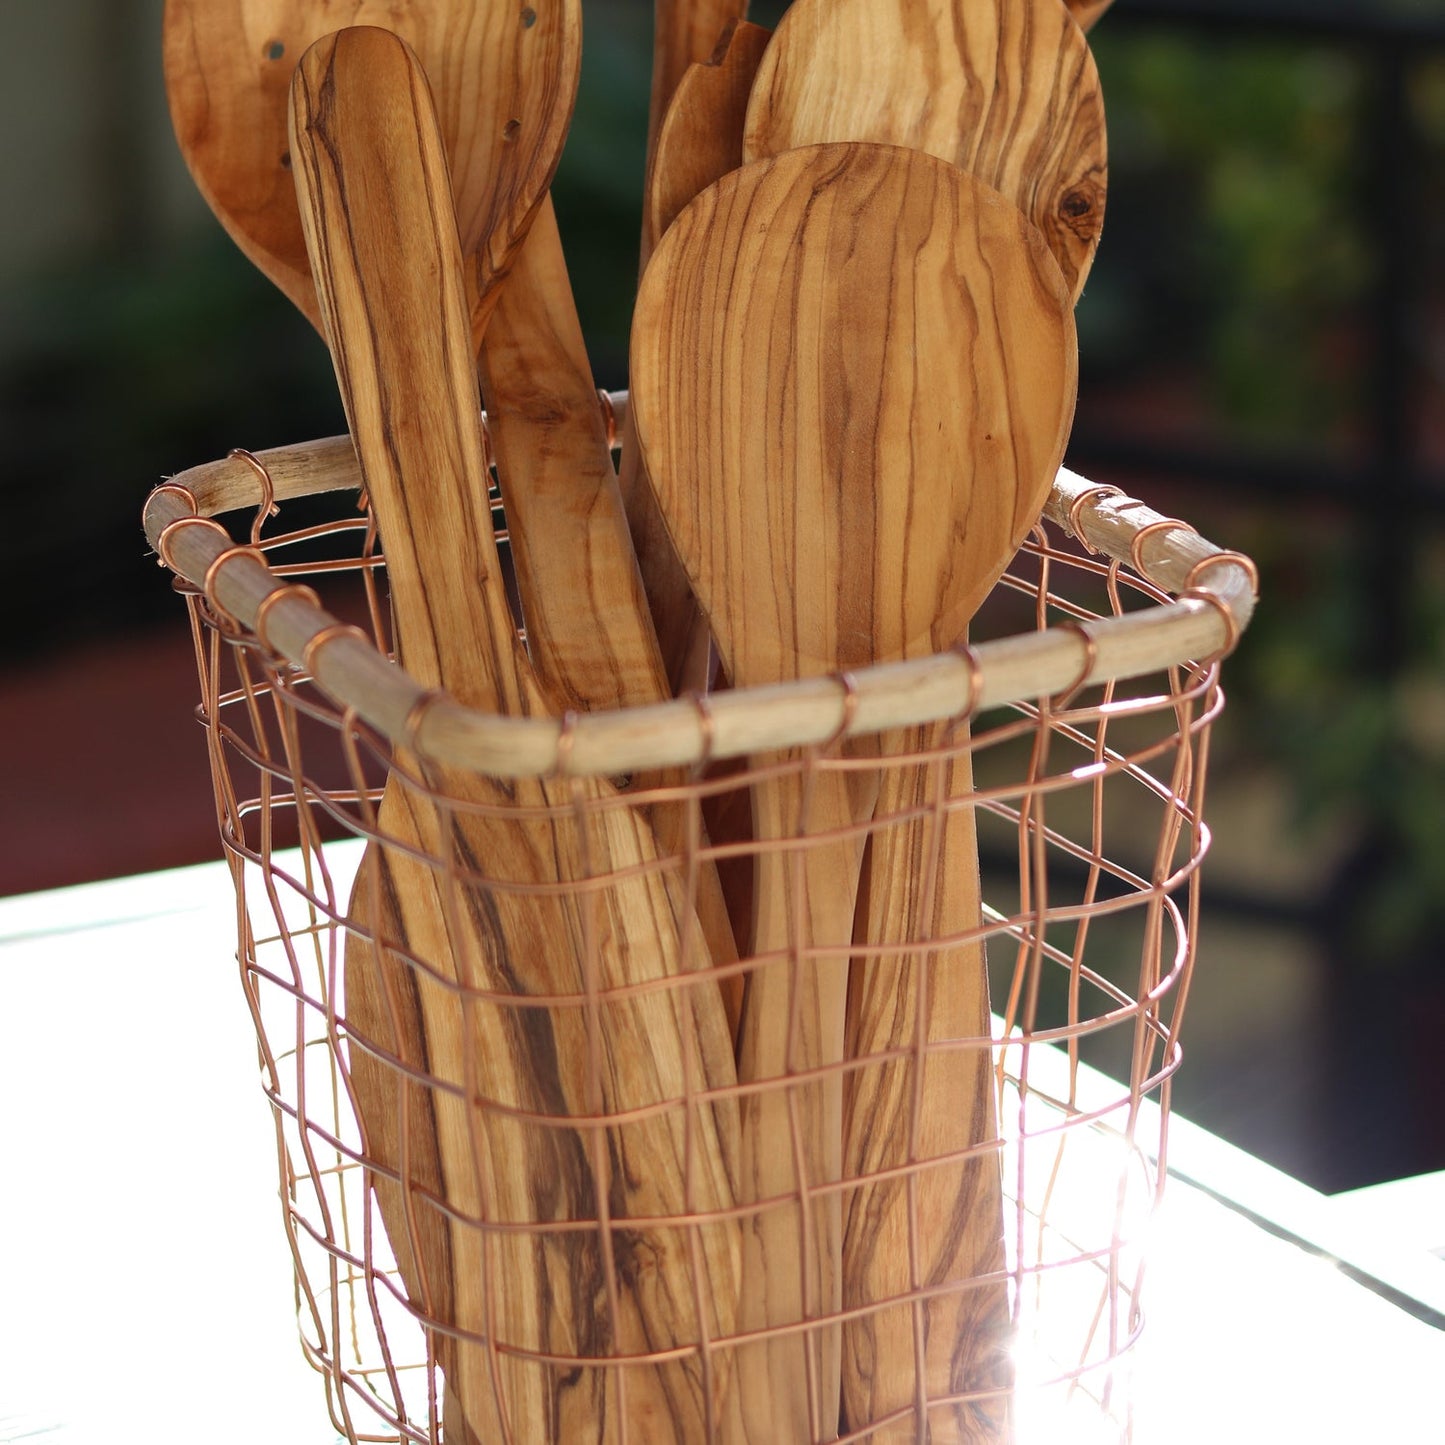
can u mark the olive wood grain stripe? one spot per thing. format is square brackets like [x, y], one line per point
[373, 183]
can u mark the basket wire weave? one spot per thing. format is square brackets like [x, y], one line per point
[1089, 802]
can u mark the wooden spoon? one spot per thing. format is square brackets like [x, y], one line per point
[848, 367]
[372, 179]
[504, 75]
[1006, 89]
[684, 33]
[697, 140]
[701, 136]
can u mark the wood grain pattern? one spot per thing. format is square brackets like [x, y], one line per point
[590, 644]
[589, 634]
[701, 136]
[228, 68]
[697, 140]
[1006, 89]
[848, 364]
[684, 32]
[372, 179]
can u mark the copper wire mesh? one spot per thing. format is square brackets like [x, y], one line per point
[1088, 809]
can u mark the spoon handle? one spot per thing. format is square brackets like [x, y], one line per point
[589, 634]
[806, 888]
[944, 1225]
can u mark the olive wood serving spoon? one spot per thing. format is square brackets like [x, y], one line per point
[375, 201]
[849, 367]
[684, 33]
[1006, 89]
[505, 77]
[701, 136]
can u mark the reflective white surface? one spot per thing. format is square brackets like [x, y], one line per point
[146, 1280]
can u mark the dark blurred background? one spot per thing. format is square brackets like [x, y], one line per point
[1262, 343]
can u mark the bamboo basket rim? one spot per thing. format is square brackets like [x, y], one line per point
[1214, 591]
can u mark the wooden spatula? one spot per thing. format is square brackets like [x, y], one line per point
[836, 362]
[1006, 89]
[372, 180]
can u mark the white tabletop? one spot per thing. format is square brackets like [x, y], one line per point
[147, 1285]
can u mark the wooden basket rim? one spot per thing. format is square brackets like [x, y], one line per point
[1214, 591]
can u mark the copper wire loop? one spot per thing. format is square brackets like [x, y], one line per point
[1219, 559]
[208, 583]
[1061, 700]
[707, 726]
[416, 717]
[1164, 524]
[1088, 499]
[329, 633]
[965, 653]
[267, 506]
[609, 416]
[849, 684]
[1231, 622]
[299, 590]
[177, 490]
[566, 742]
[163, 542]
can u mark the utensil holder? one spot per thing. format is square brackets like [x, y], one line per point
[1089, 689]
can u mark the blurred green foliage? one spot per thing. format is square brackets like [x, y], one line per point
[1234, 243]
[1242, 256]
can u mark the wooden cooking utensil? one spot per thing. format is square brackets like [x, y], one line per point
[1006, 89]
[228, 67]
[684, 33]
[375, 201]
[694, 141]
[589, 633]
[701, 136]
[921, 884]
[847, 368]
[505, 85]
[1009, 92]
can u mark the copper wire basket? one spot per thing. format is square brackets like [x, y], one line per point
[1085, 699]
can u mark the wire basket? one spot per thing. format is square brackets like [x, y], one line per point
[523, 1215]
